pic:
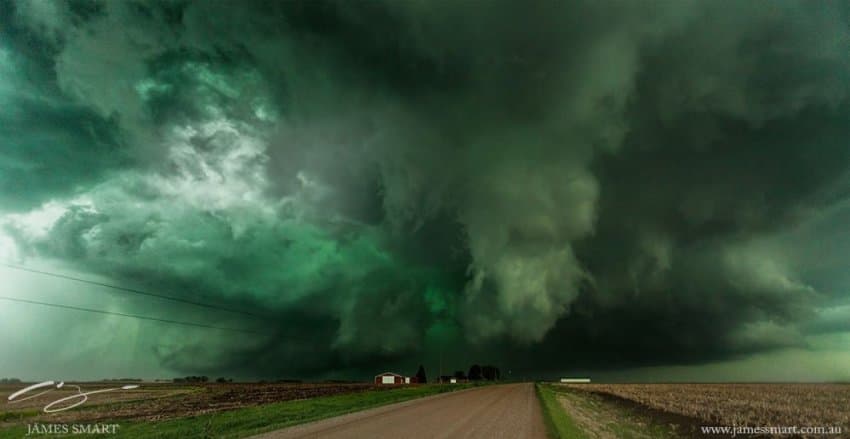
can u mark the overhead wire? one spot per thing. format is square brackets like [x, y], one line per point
[113, 313]
[133, 290]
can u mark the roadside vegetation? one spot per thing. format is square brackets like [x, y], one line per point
[249, 421]
[558, 422]
[572, 413]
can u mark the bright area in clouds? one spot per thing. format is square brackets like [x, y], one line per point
[632, 191]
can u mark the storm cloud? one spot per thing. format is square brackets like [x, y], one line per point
[549, 186]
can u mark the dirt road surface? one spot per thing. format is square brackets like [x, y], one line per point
[499, 411]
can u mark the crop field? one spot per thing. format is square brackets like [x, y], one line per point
[682, 409]
[219, 409]
[155, 402]
[741, 404]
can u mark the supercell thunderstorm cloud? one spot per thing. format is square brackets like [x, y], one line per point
[615, 188]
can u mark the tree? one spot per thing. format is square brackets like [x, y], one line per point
[460, 375]
[490, 373]
[487, 372]
[474, 372]
[420, 375]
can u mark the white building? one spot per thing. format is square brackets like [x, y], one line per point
[575, 380]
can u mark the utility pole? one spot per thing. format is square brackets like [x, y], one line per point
[440, 376]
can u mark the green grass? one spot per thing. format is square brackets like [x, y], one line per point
[619, 420]
[254, 420]
[558, 422]
[17, 415]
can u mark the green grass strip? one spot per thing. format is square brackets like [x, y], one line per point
[558, 422]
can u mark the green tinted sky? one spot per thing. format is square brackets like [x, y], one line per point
[633, 191]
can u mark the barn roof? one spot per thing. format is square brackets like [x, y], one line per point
[389, 373]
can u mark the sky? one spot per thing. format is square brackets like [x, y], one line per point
[653, 191]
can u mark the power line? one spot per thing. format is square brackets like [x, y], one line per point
[98, 311]
[132, 290]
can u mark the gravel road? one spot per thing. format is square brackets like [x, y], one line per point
[499, 411]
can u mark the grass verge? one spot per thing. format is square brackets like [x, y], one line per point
[558, 422]
[597, 415]
[260, 419]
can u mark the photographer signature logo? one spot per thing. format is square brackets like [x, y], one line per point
[51, 385]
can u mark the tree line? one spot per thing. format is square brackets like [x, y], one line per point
[476, 373]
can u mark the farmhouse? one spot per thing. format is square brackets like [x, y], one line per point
[389, 378]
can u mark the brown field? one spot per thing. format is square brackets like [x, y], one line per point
[160, 401]
[809, 405]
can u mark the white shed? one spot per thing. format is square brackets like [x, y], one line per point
[575, 380]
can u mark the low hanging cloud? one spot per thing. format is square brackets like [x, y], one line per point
[598, 184]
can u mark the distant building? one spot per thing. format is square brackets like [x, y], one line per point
[575, 380]
[448, 379]
[389, 378]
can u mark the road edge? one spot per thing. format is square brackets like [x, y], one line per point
[364, 412]
[559, 425]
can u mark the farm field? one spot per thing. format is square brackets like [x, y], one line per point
[158, 401]
[227, 410]
[681, 410]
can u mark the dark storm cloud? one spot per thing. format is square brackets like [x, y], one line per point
[593, 184]
[52, 145]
